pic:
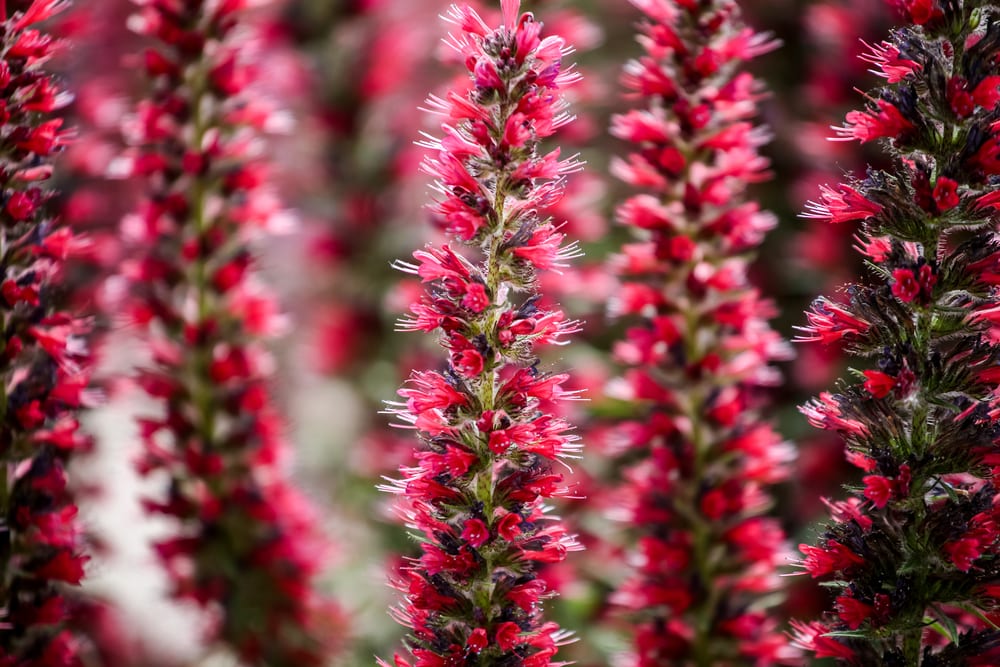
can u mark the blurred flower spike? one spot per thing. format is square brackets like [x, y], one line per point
[248, 546]
[699, 454]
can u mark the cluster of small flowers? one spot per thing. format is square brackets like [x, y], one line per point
[706, 557]
[248, 546]
[913, 553]
[44, 358]
[489, 436]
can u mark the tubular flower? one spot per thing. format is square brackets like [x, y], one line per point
[45, 361]
[918, 541]
[699, 350]
[487, 425]
[247, 546]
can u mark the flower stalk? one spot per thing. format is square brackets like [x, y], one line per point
[489, 436]
[699, 456]
[248, 545]
[912, 555]
[44, 360]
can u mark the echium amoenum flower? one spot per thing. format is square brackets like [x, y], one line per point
[247, 546]
[43, 358]
[912, 555]
[699, 457]
[486, 422]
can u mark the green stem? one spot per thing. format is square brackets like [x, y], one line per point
[912, 646]
[202, 390]
[486, 480]
[6, 535]
[704, 609]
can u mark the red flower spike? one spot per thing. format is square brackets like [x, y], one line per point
[492, 405]
[45, 360]
[910, 525]
[219, 439]
[694, 149]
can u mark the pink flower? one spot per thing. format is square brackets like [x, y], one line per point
[887, 58]
[827, 412]
[830, 322]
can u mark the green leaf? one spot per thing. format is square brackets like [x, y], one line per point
[849, 634]
[945, 625]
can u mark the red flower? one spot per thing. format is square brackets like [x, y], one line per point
[64, 566]
[885, 121]
[477, 640]
[829, 558]
[852, 611]
[878, 489]
[469, 363]
[905, 285]
[922, 422]
[810, 637]
[879, 384]
[963, 553]
[475, 533]
[921, 11]
[844, 204]
[508, 636]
